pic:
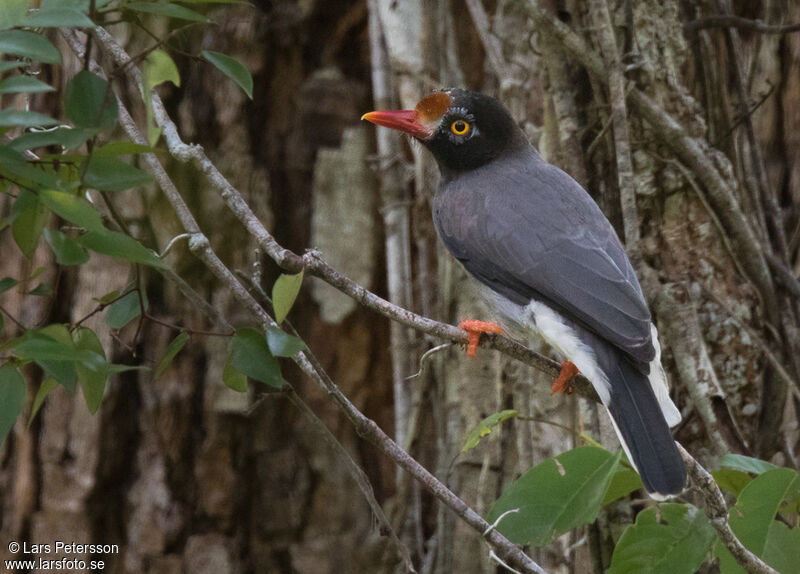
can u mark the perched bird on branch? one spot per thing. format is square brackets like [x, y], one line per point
[553, 264]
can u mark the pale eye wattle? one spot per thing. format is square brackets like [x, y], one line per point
[459, 127]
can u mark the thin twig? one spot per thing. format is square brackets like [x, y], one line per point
[358, 474]
[363, 425]
[730, 21]
[689, 150]
[619, 119]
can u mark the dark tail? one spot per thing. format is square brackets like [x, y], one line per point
[642, 427]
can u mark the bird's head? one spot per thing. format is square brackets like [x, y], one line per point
[463, 129]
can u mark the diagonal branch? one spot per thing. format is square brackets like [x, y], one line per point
[689, 150]
[365, 427]
[717, 511]
[730, 21]
[619, 121]
[368, 429]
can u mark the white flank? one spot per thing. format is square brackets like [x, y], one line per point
[563, 339]
[658, 380]
[543, 320]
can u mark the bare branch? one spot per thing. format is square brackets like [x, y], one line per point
[363, 425]
[730, 21]
[619, 120]
[690, 151]
[717, 511]
[681, 331]
[356, 472]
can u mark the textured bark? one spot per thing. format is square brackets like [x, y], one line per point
[187, 476]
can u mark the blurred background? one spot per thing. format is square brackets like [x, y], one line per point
[188, 476]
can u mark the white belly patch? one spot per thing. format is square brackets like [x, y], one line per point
[563, 338]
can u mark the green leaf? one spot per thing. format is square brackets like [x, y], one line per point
[168, 10]
[284, 293]
[29, 223]
[746, 464]
[82, 5]
[26, 174]
[58, 17]
[159, 68]
[120, 245]
[29, 45]
[123, 148]
[92, 374]
[232, 378]
[485, 427]
[73, 208]
[669, 538]
[41, 290]
[62, 370]
[752, 516]
[251, 356]
[111, 174]
[757, 505]
[624, 481]
[10, 65]
[107, 298]
[231, 68]
[172, 349]
[52, 348]
[126, 309]
[12, 13]
[66, 249]
[23, 119]
[782, 550]
[112, 368]
[555, 496]
[282, 344]
[7, 283]
[40, 345]
[47, 387]
[732, 480]
[68, 138]
[13, 393]
[90, 103]
[24, 84]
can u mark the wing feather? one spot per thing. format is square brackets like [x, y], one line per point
[537, 234]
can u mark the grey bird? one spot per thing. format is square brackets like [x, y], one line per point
[553, 264]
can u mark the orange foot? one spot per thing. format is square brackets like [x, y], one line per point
[568, 371]
[474, 328]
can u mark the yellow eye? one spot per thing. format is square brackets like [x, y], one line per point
[459, 127]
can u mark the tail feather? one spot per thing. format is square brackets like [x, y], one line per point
[643, 430]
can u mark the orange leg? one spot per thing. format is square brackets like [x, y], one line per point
[568, 371]
[474, 328]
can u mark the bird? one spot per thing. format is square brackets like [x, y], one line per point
[551, 263]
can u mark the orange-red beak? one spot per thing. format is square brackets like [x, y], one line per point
[406, 121]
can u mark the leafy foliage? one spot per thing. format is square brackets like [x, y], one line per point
[555, 496]
[51, 201]
[12, 398]
[251, 356]
[668, 538]
[284, 293]
[77, 155]
[485, 427]
[752, 519]
[231, 68]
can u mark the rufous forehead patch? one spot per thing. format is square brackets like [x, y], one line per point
[433, 107]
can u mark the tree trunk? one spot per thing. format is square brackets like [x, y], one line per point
[187, 476]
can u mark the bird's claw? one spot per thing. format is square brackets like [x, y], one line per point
[563, 383]
[474, 329]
